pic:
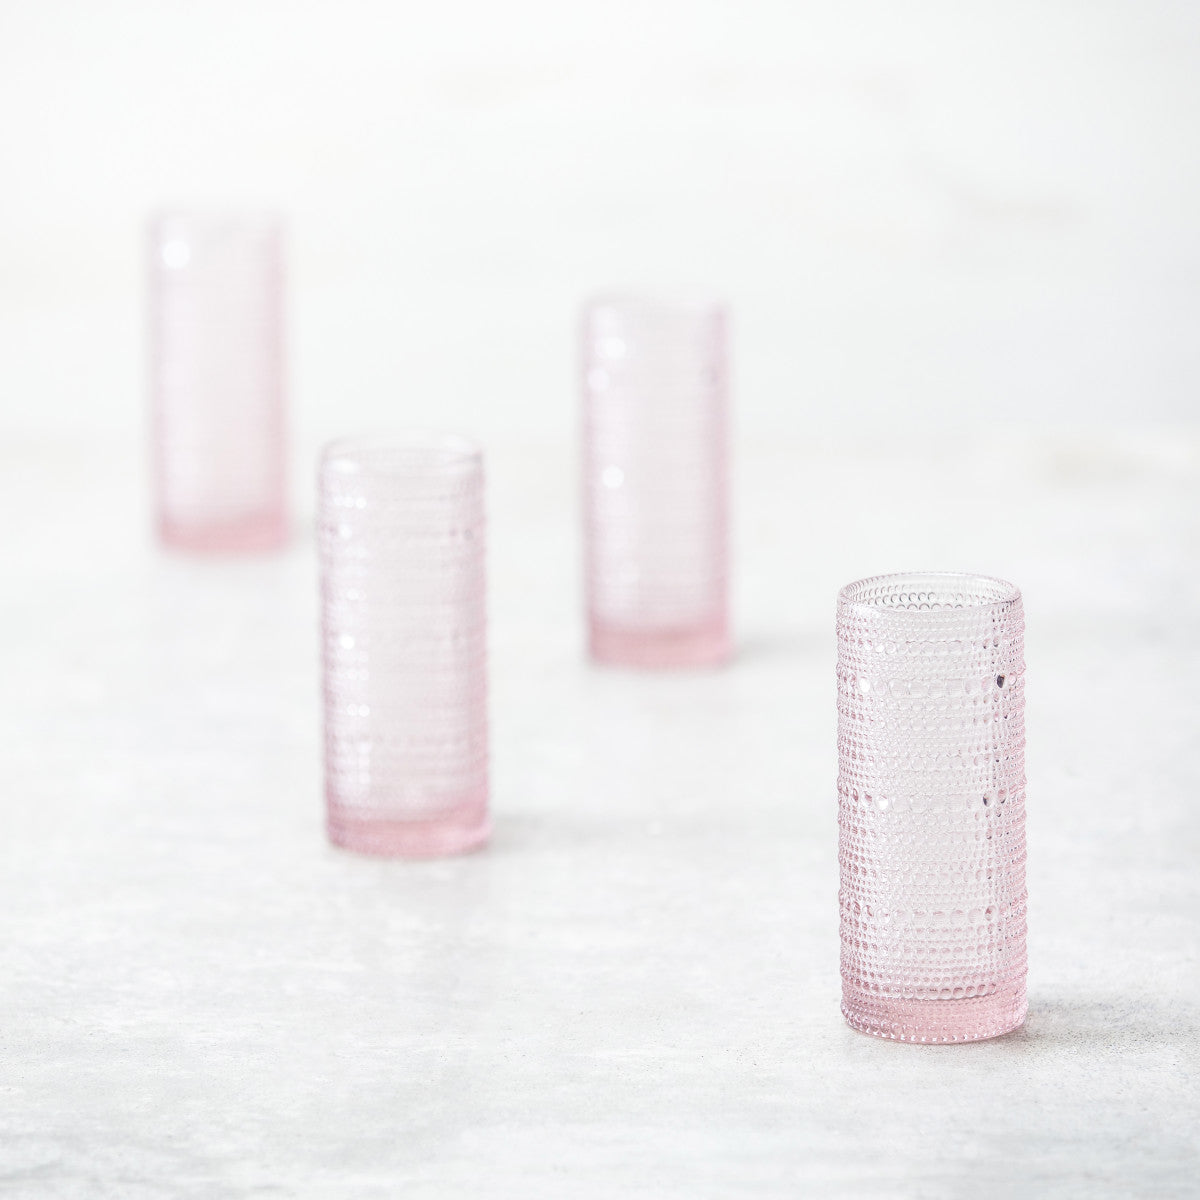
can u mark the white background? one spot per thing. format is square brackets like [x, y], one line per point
[962, 251]
[921, 212]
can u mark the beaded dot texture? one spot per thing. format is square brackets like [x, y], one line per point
[931, 801]
[401, 543]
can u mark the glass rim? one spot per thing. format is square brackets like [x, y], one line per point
[209, 216]
[408, 450]
[978, 593]
[662, 304]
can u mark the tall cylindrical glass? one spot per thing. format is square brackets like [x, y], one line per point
[401, 541]
[217, 388]
[931, 797]
[655, 482]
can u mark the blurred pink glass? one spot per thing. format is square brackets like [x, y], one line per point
[401, 539]
[655, 482]
[931, 798]
[216, 332]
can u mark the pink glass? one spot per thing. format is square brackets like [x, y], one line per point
[401, 541]
[931, 797]
[655, 482]
[216, 329]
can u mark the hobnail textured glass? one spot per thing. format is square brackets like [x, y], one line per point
[931, 798]
[655, 481]
[216, 332]
[401, 541]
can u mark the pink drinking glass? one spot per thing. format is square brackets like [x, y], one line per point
[655, 482]
[931, 798]
[216, 331]
[401, 540]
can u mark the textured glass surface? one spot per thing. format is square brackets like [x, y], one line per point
[401, 543]
[217, 380]
[655, 482]
[931, 794]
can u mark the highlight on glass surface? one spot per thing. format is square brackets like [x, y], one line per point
[655, 482]
[401, 542]
[217, 379]
[931, 799]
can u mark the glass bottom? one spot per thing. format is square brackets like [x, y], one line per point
[695, 646]
[227, 537]
[969, 1019]
[456, 832]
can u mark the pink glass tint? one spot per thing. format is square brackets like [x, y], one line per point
[931, 797]
[655, 482]
[401, 541]
[216, 331]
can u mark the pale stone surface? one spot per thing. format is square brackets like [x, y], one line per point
[924, 216]
[634, 990]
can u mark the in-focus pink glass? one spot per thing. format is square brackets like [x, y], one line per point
[931, 797]
[401, 540]
[655, 482]
[217, 390]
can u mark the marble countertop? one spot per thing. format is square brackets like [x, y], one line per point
[634, 990]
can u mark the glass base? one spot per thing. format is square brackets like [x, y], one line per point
[967, 1019]
[228, 537]
[696, 646]
[456, 832]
